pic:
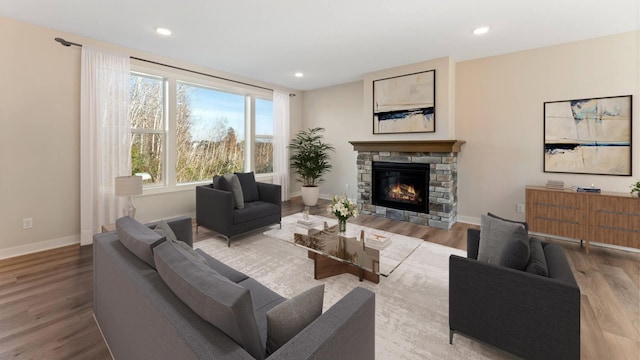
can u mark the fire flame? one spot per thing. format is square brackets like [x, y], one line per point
[403, 192]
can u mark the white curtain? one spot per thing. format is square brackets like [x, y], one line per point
[281, 141]
[104, 137]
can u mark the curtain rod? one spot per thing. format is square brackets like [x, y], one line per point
[64, 42]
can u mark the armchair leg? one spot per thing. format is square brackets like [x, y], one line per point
[197, 228]
[450, 337]
[228, 241]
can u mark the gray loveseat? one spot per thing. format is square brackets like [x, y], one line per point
[141, 317]
[530, 315]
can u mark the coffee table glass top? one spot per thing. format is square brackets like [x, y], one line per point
[340, 246]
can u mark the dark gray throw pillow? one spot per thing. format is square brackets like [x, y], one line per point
[494, 234]
[249, 186]
[287, 319]
[138, 238]
[537, 260]
[214, 298]
[236, 189]
[515, 254]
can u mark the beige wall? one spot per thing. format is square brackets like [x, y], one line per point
[500, 115]
[346, 112]
[40, 144]
[495, 104]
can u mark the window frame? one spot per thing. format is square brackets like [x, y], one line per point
[172, 77]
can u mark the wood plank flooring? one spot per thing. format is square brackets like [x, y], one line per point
[46, 298]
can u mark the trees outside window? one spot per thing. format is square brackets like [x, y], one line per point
[208, 137]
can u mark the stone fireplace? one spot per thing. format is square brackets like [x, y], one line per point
[413, 181]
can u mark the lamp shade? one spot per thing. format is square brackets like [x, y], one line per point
[128, 185]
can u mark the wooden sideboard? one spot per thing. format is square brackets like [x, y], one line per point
[607, 217]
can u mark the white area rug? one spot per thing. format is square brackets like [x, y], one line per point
[390, 257]
[412, 304]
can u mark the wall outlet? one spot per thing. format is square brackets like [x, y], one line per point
[520, 208]
[27, 223]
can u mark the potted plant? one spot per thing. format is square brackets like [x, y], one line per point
[310, 160]
[635, 189]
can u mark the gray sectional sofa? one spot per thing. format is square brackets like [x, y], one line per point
[142, 318]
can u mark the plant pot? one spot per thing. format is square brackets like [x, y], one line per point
[310, 195]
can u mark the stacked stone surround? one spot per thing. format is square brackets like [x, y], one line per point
[442, 187]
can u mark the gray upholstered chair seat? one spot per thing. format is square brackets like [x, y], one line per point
[255, 210]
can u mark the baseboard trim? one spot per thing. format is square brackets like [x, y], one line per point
[469, 220]
[39, 246]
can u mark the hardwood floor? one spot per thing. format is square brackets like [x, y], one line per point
[45, 298]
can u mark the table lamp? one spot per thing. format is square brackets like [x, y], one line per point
[129, 186]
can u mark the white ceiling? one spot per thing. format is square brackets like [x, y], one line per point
[331, 41]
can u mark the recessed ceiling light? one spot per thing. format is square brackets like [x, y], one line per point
[481, 30]
[298, 74]
[163, 31]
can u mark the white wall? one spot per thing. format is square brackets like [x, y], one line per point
[495, 105]
[500, 115]
[40, 139]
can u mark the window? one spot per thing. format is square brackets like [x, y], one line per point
[263, 145]
[210, 133]
[147, 113]
[187, 129]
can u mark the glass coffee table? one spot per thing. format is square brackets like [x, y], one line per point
[335, 253]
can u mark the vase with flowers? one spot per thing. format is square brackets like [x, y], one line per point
[342, 208]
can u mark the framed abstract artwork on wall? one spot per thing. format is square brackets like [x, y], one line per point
[588, 136]
[405, 104]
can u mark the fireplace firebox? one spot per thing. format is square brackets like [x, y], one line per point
[401, 186]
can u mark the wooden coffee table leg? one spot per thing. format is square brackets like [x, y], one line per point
[324, 267]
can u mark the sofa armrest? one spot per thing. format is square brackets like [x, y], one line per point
[345, 331]
[270, 193]
[473, 243]
[214, 209]
[529, 315]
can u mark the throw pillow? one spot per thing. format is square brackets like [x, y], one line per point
[236, 189]
[249, 186]
[287, 319]
[494, 234]
[220, 183]
[524, 223]
[214, 298]
[138, 238]
[165, 230]
[515, 254]
[537, 260]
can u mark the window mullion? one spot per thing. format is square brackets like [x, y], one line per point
[171, 128]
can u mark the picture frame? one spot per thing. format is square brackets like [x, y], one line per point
[589, 136]
[405, 103]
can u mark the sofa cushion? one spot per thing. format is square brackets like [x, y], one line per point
[494, 234]
[515, 253]
[524, 223]
[236, 189]
[249, 186]
[216, 299]
[138, 238]
[254, 210]
[287, 319]
[222, 268]
[537, 263]
[263, 299]
[165, 230]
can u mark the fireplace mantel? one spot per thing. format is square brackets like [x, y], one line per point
[439, 146]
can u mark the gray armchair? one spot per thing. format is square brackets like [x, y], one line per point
[532, 316]
[217, 210]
